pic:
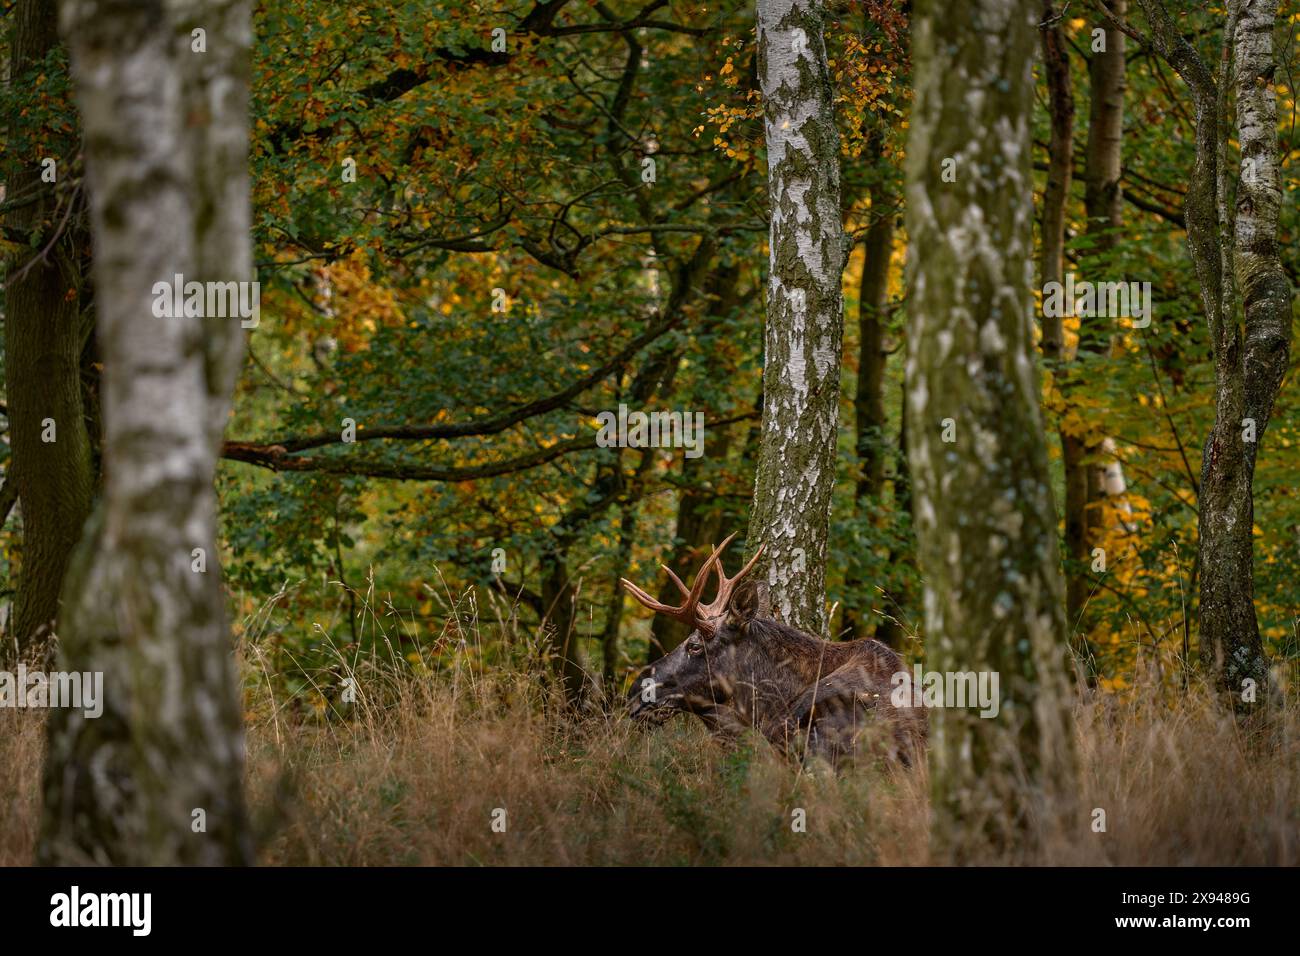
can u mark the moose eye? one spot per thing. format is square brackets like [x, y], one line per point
[694, 646]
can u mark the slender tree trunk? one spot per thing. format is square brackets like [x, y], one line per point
[560, 591]
[890, 630]
[655, 376]
[869, 400]
[1231, 252]
[1229, 630]
[1103, 195]
[157, 779]
[52, 463]
[903, 475]
[560, 598]
[1060, 167]
[614, 611]
[1103, 199]
[985, 522]
[1051, 268]
[1103, 205]
[795, 474]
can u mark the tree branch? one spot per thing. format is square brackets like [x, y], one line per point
[276, 458]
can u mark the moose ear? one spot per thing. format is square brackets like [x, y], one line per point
[749, 601]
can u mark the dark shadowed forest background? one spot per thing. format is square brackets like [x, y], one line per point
[477, 227]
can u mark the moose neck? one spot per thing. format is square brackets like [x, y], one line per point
[786, 662]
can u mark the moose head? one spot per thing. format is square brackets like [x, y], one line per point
[705, 674]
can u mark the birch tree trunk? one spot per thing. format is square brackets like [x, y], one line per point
[1103, 204]
[1103, 200]
[1103, 193]
[1234, 252]
[157, 778]
[1229, 629]
[52, 465]
[795, 473]
[985, 521]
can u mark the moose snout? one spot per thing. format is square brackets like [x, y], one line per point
[646, 696]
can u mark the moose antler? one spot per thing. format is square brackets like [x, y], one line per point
[692, 613]
[727, 585]
[687, 612]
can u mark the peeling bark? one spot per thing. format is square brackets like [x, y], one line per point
[795, 474]
[166, 142]
[985, 520]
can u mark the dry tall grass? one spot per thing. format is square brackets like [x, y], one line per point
[414, 771]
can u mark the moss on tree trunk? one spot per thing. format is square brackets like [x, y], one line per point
[985, 520]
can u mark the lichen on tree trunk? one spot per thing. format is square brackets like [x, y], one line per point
[1250, 372]
[795, 473]
[157, 779]
[985, 520]
[1235, 252]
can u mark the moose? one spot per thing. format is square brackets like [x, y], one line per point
[739, 668]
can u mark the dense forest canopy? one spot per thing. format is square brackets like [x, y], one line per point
[482, 232]
[474, 175]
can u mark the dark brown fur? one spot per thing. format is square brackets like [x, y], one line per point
[809, 697]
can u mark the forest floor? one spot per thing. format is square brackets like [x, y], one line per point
[420, 770]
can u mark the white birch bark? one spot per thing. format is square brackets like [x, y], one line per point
[1230, 631]
[1235, 253]
[795, 473]
[166, 143]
